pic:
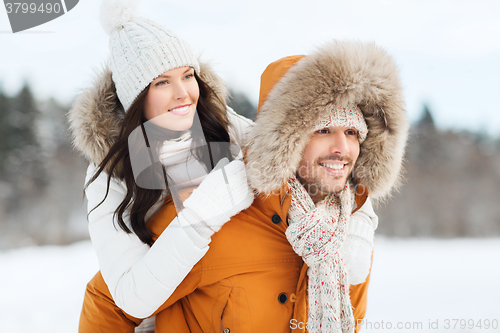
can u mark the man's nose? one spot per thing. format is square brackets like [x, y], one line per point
[338, 143]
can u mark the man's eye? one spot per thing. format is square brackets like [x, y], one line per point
[323, 131]
[352, 132]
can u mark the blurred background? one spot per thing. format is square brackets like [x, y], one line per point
[438, 238]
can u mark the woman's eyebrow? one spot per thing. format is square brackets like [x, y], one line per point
[168, 76]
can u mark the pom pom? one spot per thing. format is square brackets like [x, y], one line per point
[115, 13]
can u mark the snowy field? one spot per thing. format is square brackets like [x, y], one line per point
[453, 282]
[416, 284]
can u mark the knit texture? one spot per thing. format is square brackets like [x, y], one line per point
[222, 194]
[316, 233]
[358, 246]
[188, 217]
[350, 117]
[141, 50]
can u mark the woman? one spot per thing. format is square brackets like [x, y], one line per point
[178, 109]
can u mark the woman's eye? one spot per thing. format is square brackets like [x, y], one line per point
[161, 83]
[189, 76]
[323, 131]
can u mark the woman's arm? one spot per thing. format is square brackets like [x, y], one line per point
[99, 312]
[141, 278]
[239, 127]
[136, 274]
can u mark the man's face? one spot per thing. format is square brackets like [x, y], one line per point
[327, 161]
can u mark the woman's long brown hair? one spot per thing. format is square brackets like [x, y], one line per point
[138, 201]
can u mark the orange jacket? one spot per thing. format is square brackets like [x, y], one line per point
[250, 280]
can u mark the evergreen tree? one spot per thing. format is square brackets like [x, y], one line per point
[426, 122]
[22, 119]
[242, 105]
[4, 132]
[24, 160]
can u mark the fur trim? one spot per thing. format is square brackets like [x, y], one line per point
[96, 116]
[337, 75]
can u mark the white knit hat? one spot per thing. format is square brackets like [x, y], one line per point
[141, 49]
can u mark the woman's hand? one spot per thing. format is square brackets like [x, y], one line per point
[358, 246]
[221, 195]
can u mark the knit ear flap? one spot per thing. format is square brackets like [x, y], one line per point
[115, 14]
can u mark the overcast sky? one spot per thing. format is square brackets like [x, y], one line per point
[448, 51]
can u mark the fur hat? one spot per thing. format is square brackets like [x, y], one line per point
[303, 90]
[141, 49]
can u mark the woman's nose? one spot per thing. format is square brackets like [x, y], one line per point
[180, 92]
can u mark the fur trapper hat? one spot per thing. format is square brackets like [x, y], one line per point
[339, 74]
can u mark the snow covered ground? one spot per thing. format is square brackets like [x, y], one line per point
[415, 282]
[41, 288]
[428, 280]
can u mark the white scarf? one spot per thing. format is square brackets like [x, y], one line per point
[316, 232]
[181, 165]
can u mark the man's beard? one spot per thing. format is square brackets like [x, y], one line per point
[314, 179]
[315, 186]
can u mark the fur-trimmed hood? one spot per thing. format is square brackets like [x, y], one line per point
[96, 115]
[338, 74]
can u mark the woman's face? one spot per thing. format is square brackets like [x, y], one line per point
[172, 98]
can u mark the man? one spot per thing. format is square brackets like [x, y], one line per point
[331, 124]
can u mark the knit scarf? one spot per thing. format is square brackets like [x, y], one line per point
[316, 232]
[182, 168]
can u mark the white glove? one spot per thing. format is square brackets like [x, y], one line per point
[358, 246]
[221, 195]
